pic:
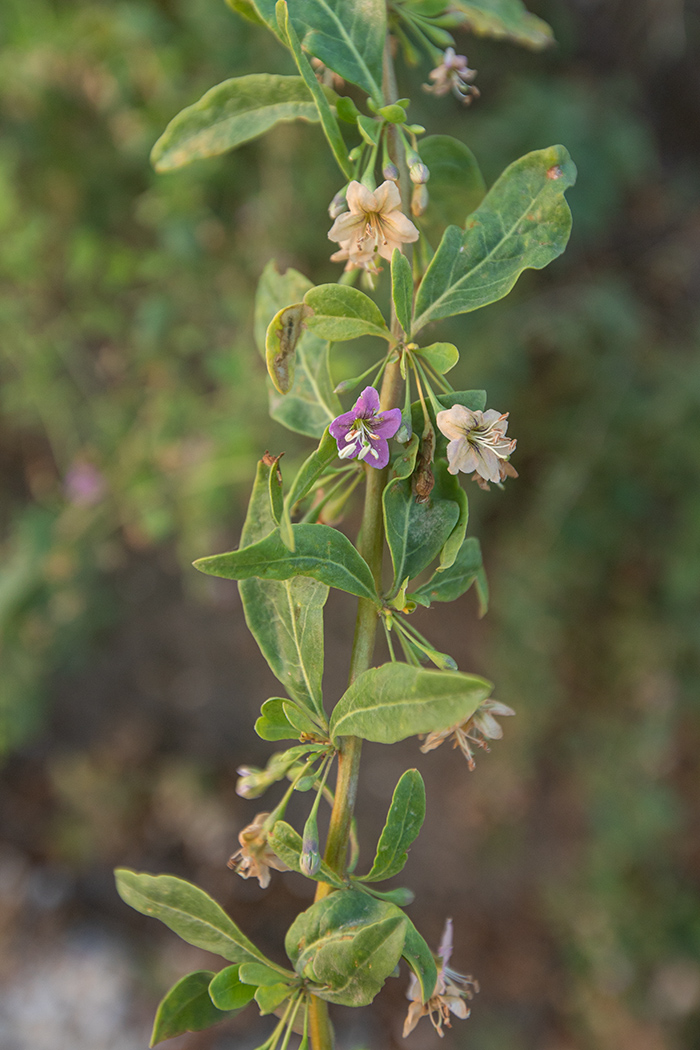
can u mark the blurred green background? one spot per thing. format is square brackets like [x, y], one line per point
[132, 410]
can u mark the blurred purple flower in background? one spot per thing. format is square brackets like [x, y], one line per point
[84, 485]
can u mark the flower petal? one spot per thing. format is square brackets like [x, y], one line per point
[367, 403]
[347, 227]
[387, 423]
[360, 199]
[387, 197]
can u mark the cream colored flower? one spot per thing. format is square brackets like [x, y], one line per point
[256, 857]
[482, 726]
[451, 991]
[478, 443]
[372, 228]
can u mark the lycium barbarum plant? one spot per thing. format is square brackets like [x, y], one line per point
[406, 440]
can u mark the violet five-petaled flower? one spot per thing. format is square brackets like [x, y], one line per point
[364, 431]
[451, 991]
[372, 227]
[478, 443]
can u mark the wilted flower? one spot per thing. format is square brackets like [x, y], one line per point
[451, 991]
[363, 432]
[477, 442]
[482, 726]
[453, 74]
[373, 226]
[256, 856]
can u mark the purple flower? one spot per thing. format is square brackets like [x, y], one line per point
[364, 430]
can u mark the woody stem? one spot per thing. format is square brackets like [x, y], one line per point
[370, 544]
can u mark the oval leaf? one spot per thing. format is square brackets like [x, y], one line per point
[286, 617]
[349, 943]
[311, 403]
[321, 552]
[341, 312]
[442, 356]
[448, 584]
[523, 223]
[227, 990]
[229, 114]
[508, 19]
[187, 1008]
[421, 960]
[403, 822]
[457, 186]
[415, 531]
[189, 912]
[394, 701]
[402, 288]
[281, 340]
[347, 36]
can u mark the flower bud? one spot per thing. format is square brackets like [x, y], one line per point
[419, 200]
[419, 172]
[390, 171]
[338, 205]
[310, 859]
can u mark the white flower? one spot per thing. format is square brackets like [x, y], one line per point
[451, 991]
[482, 726]
[373, 226]
[478, 443]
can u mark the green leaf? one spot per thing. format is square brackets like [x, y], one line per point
[287, 844]
[341, 312]
[311, 403]
[348, 943]
[451, 583]
[321, 552]
[273, 723]
[447, 486]
[286, 30]
[348, 36]
[353, 971]
[247, 10]
[442, 356]
[312, 469]
[415, 532]
[402, 288]
[507, 19]
[231, 113]
[403, 822]
[400, 895]
[421, 960]
[227, 990]
[473, 399]
[281, 340]
[257, 974]
[268, 997]
[456, 186]
[281, 719]
[523, 223]
[285, 617]
[189, 912]
[187, 1008]
[395, 701]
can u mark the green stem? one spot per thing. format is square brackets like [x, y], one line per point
[371, 546]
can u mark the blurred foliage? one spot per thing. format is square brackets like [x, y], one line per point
[132, 408]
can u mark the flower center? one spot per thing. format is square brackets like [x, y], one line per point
[361, 431]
